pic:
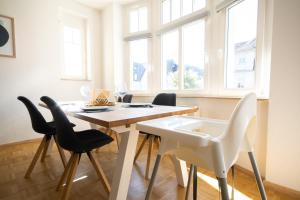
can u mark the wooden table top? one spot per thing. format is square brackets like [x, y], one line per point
[120, 115]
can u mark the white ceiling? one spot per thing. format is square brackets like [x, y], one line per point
[99, 4]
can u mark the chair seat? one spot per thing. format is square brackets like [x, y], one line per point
[93, 139]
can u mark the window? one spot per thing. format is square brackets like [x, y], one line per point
[170, 49]
[241, 45]
[74, 47]
[137, 45]
[186, 58]
[138, 50]
[193, 55]
[138, 19]
[174, 9]
[200, 47]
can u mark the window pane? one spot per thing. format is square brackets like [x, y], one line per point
[138, 64]
[175, 9]
[134, 21]
[241, 45]
[170, 60]
[143, 19]
[187, 7]
[73, 58]
[193, 55]
[166, 11]
[198, 4]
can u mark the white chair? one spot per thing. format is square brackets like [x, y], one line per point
[208, 143]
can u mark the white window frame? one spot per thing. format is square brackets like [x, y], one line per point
[128, 36]
[181, 8]
[202, 14]
[260, 88]
[85, 68]
[215, 46]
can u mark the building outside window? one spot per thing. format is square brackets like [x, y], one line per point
[241, 45]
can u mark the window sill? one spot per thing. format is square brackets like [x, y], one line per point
[75, 79]
[183, 95]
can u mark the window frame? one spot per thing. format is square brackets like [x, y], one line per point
[215, 46]
[259, 88]
[128, 37]
[85, 75]
[180, 61]
[179, 23]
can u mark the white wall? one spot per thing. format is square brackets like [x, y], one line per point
[112, 46]
[283, 152]
[36, 69]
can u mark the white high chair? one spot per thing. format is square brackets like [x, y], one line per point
[208, 143]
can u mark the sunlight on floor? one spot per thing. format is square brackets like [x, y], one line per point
[214, 183]
[80, 178]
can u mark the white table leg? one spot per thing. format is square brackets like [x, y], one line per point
[122, 173]
[93, 126]
[181, 171]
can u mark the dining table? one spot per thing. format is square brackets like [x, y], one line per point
[126, 116]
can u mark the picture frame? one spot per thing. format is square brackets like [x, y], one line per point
[7, 37]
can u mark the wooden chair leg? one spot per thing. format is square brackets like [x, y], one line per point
[151, 138]
[107, 132]
[233, 176]
[157, 141]
[61, 153]
[69, 183]
[45, 148]
[66, 172]
[100, 172]
[117, 139]
[140, 148]
[35, 158]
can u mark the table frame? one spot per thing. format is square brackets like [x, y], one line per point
[129, 139]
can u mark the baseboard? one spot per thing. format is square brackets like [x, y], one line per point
[20, 142]
[273, 186]
[282, 189]
[247, 171]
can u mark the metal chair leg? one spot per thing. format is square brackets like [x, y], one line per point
[155, 169]
[224, 189]
[257, 176]
[195, 183]
[150, 147]
[189, 182]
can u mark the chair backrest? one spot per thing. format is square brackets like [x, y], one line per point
[38, 122]
[165, 99]
[127, 98]
[243, 119]
[65, 134]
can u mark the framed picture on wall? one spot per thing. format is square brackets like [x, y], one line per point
[7, 37]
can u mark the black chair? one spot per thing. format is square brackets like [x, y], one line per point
[77, 143]
[126, 99]
[163, 99]
[40, 125]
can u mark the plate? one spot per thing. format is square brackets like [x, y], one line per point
[138, 105]
[94, 108]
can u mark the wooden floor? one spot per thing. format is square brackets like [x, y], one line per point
[15, 159]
